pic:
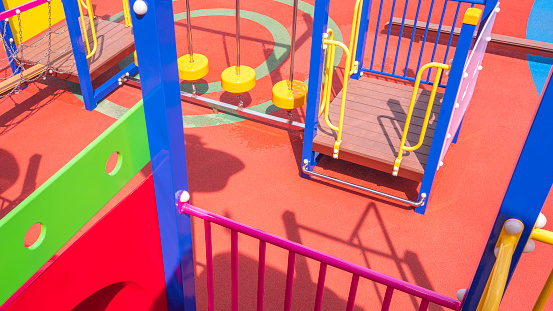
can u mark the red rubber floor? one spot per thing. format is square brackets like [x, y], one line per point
[250, 172]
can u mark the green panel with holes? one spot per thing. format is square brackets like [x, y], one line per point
[68, 200]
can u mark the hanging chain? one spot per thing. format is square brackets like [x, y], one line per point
[49, 37]
[20, 66]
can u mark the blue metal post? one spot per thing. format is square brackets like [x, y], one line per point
[320, 21]
[72, 15]
[111, 84]
[363, 30]
[454, 141]
[154, 34]
[464, 45]
[9, 46]
[525, 196]
[488, 8]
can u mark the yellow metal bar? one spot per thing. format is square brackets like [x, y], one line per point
[435, 85]
[127, 13]
[545, 293]
[493, 293]
[329, 65]
[355, 35]
[92, 28]
[542, 236]
[328, 83]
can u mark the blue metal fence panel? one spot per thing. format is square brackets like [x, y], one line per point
[154, 34]
[424, 32]
[461, 52]
[525, 196]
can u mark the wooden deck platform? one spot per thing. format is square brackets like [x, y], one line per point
[373, 124]
[115, 42]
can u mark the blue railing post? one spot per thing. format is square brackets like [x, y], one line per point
[72, 15]
[464, 45]
[320, 21]
[154, 34]
[525, 196]
[363, 30]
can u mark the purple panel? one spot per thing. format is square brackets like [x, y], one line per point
[466, 88]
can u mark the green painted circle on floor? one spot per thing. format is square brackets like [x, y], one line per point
[281, 39]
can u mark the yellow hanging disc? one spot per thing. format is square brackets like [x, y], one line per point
[233, 82]
[288, 99]
[135, 60]
[192, 71]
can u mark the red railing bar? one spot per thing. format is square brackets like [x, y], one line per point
[289, 281]
[234, 268]
[320, 287]
[387, 299]
[352, 292]
[209, 266]
[261, 275]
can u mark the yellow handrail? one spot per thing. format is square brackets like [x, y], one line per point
[92, 28]
[402, 146]
[355, 35]
[331, 50]
[545, 237]
[507, 243]
[127, 13]
[329, 68]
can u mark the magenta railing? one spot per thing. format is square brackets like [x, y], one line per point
[293, 248]
[22, 8]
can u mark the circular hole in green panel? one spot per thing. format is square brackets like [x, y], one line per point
[34, 236]
[114, 163]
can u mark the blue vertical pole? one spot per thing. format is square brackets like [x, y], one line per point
[72, 15]
[464, 45]
[154, 34]
[363, 30]
[525, 196]
[320, 21]
[488, 9]
[9, 46]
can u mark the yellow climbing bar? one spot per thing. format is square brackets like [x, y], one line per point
[355, 24]
[325, 101]
[545, 237]
[402, 146]
[505, 248]
[88, 7]
[127, 13]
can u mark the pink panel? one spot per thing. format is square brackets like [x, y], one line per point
[466, 88]
[116, 265]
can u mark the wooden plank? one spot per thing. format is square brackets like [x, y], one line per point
[515, 44]
[115, 42]
[27, 74]
[373, 124]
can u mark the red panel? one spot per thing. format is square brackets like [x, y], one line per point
[115, 265]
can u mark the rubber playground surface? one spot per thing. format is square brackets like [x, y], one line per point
[249, 171]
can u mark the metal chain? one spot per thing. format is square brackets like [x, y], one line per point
[49, 36]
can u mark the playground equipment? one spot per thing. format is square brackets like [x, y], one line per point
[192, 67]
[71, 54]
[127, 283]
[238, 79]
[383, 123]
[290, 94]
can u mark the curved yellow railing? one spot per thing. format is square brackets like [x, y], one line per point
[328, 71]
[92, 28]
[402, 146]
[325, 102]
[507, 243]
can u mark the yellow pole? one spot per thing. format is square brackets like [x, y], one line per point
[545, 294]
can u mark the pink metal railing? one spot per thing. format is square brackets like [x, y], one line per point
[22, 8]
[293, 248]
